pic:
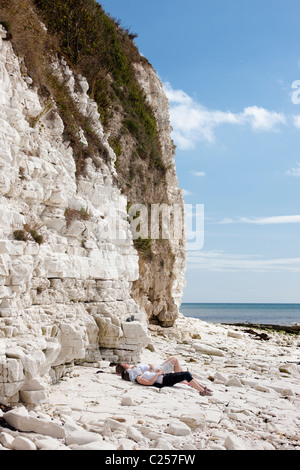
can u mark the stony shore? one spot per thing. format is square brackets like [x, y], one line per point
[255, 403]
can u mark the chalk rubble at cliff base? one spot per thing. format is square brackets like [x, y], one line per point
[255, 403]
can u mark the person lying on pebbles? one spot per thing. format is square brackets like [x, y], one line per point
[148, 375]
[170, 365]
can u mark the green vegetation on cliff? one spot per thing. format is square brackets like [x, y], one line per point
[104, 53]
[95, 46]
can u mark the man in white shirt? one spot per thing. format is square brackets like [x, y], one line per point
[169, 374]
[167, 367]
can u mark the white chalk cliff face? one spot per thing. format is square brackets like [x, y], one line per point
[65, 288]
[65, 277]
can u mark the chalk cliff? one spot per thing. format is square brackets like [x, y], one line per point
[71, 290]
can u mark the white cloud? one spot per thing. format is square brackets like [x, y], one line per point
[296, 120]
[283, 219]
[185, 192]
[219, 261]
[262, 119]
[193, 122]
[199, 173]
[227, 220]
[294, 171]
[177, 96]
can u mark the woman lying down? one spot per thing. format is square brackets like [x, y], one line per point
[149, 375]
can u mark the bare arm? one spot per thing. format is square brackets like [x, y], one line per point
[146, 382]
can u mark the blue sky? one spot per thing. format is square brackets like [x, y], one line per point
[228, 68]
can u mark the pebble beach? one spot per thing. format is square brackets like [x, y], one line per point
[254, 376]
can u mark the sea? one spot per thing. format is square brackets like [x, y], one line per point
[271, 314]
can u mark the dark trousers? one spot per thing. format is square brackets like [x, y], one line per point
[172, 379]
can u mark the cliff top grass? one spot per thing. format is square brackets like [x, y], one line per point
[101, 50]
[95, 46]
[37, 49]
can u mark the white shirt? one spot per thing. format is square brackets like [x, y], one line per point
[150, 375]
[143, 369]
[138, 370]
